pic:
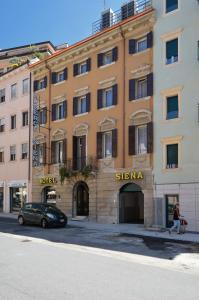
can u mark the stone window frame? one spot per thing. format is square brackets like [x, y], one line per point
[175, 91]
[165, 14]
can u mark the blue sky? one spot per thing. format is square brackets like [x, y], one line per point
[31, 21]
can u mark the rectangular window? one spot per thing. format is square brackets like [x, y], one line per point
[42, 116]
[2, 95]
[172, 51]
[172, 156]
[24, 151]
[107, 58]
[41, 149]
[41, 84]
[60, 76]
[1, 155]
[25, 118]
[142, 44]
[172, 107]
[13, 91]
[82, 106]
[107, 97]
[2, 125]
[141, 138]
[59, 152]
[171, 5]
[107, 144]
[59, 111]
[13, 122]
[83, 67]
[141, 88]
[12, 153]
[25, 86]
[1, 71]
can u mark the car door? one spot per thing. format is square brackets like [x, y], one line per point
[27, 213]
[37, 213]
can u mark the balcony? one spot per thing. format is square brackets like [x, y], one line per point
[128, 10]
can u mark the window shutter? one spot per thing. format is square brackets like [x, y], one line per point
[114, 143]
[131, 89]
[115, 94]
[74, 153]
[100, 60]
[35, 85]
[88, 62]
[53, 152]
[115, 54]
[45, 115]
[64, 150]
[99, 145]
[99, 99]
[75, 69]
[150, 40]
[65, 74]
[53, 112]
[65, 108]
[132, 46]
[132, 140]
[150, 84]
[88, 102]
[150, 137]
[75, 100]
[54, 77]
[44, 153]
[45, 81]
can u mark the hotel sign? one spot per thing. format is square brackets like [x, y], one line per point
[134, 175]
[47, 180]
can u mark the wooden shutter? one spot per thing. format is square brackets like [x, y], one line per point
[88, 102]
[150, 137]
[88, 63]
[114, 143]
[35, 85]
[53, 152]
[75, 69]
[64, 150]
[150, 84]
[132, 89]
[44, 153]
[132, 46]
[74, 153]
[65, 74]
[100, 60]
[53, 112]
[99, 153]
[115, 94]
[45, 115]
[99, 99]
[83, 151]
[150, 40]
[75, 103]
[45, 81]
[65, 108]
[54, 77]
[115, 54]
[132, 142]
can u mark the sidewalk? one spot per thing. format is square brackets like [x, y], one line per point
[134, 229]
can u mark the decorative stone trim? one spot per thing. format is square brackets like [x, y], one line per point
[82, 91]
[58, 134]
[141, 117]
[81, 129]
[107, 124]
[107, 82]
[142, 70]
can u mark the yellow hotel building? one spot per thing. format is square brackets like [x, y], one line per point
[93, 147]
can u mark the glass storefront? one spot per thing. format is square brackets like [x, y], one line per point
[49, 195]
[1, 199]
[18, 197]
[171, 201]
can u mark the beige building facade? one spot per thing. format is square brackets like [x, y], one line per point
[93, 125]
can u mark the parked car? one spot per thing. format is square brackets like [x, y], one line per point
[46, 215]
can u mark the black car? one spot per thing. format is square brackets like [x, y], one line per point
[42, 214]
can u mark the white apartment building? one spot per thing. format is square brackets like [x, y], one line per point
[176, 110]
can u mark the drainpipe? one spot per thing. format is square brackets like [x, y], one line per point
[49, 117]
[30, 129]
[124, 100]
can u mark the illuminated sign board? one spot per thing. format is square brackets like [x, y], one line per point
[47, 180]
[134, 175]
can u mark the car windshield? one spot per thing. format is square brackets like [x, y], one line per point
[50, 208]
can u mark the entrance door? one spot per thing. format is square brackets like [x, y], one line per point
[16, 199]
[81, 195]
[171, 201]
[131, 205]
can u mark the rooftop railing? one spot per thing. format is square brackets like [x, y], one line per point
[110, 18]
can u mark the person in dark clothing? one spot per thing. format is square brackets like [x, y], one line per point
[176, 219]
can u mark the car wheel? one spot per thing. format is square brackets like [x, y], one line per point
[44, 223]
[21, 220]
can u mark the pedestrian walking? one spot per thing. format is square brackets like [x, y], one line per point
[176, 219]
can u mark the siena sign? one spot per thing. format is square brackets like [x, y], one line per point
[129, 175]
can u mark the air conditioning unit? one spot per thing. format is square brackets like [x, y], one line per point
[107, 18]
[127, 10]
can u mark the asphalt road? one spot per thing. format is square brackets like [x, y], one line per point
[75, 263]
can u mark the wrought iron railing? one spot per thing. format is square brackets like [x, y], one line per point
[123, 13]
[82, 163]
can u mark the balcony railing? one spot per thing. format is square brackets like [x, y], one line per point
[82, 163]
[121, 14]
